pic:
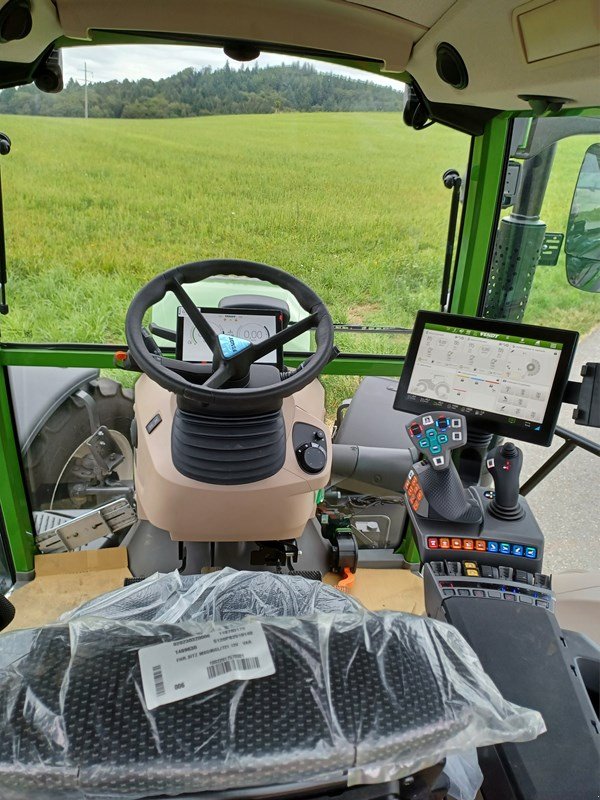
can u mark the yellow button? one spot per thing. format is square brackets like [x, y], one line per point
[473, 573]
[470, 565]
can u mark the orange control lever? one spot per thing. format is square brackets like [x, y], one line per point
[347, 581]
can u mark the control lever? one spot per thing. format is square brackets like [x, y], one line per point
[504, 465]
[434, 489]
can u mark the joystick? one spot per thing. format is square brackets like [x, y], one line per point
[433, 488]
[504, 465]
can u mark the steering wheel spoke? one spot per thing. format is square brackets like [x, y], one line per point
[219, 377]
[202, 325]
[283, 337]
[184, 367]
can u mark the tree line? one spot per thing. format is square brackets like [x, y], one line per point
[207, 91]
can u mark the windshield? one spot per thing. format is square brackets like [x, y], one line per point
[297, 164]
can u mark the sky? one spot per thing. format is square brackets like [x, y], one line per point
[116, 62]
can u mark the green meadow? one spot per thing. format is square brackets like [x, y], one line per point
[352, 203]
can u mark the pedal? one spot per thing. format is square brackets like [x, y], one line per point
[86, 528]
[46, 521]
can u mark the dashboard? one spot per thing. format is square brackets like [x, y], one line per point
[253, 326]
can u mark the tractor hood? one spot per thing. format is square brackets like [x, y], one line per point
[507, 51]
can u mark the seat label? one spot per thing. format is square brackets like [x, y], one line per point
[227, 652]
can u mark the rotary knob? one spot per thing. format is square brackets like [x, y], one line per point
[312, 457]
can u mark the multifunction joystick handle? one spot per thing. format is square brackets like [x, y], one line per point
[504, 465]
[434, 489]
[435, 434]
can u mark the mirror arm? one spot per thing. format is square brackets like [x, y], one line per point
[585, 396]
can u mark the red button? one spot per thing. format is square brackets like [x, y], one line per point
[457, 544]
[468, 544]
[432, 543]
[480, 544]
[445, 544]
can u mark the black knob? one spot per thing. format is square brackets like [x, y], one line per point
[312, 458]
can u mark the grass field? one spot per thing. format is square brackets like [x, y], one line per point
[351, 203]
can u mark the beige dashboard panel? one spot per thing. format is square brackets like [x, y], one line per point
[272, 508]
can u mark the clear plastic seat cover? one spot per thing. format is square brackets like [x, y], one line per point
[370, 696]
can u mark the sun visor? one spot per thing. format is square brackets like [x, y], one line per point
[335, 28]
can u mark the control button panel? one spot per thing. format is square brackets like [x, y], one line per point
[481, 545]
[310, 446]
[437, 433]
[414, 492]
[471, 579]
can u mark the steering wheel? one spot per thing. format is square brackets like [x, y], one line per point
[232, 357]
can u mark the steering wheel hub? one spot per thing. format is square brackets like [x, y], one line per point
[231, 345]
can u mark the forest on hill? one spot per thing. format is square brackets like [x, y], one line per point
[204, 92]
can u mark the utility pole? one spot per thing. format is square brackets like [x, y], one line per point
[85, 88]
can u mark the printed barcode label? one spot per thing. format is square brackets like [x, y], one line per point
[229, 666]
[159, 683]
[221, 653]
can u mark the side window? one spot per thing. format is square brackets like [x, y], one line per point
[527, 279]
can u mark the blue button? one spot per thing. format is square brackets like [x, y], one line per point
[442, 438]
[530, 552]
[517, 550]
[492, 547]
[442, 423]
[504, 548]
[435, 449]
[423, 442]
[431, 432]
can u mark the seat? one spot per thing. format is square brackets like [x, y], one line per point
[356, 696]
